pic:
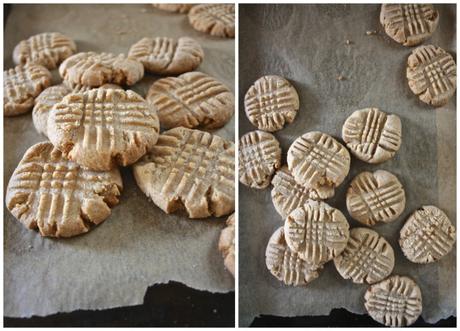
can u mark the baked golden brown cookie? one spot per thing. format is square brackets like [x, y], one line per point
[227, 244]
[57, 196]
[189, 170]
[216, 19]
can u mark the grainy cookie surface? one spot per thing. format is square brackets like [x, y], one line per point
[57, 196]
[21, 85]
[270, 103]
[51, 96]
[427, 236]
[368, 257]
[215, 19]
[372, 135]
[287, 195]
[375, 197]
[103, 128]
[189, 170]
[259, 157]
[227, 244]
[96, 69]
[192, 100]
[182, 8]
[316, 160]
[432, 74]
[167, 56]
[286, 265]
[409, 24]
[316, 231]
[396, 301]
[48, 49]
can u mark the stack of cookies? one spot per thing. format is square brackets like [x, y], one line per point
[65, 186]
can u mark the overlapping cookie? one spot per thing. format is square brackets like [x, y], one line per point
[189, 170]
[57, 196]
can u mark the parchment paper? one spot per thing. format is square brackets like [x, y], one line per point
[307, 45]
[138, 245]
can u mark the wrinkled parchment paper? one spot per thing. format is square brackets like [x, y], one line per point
[138, 245]
[307, 45]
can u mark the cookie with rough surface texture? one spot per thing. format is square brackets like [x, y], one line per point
[432, 74]
[287, 195]
[192, 100]
[409, 24]
[286, 265]
[216, 19]
[316, 160]
[48, 49]
[396, 301]
[167, 56]
[427, 236]
[270, 103]
[57, 196]
[96, 69]
[51, 96]
[368, 257]
[316, 231]
[372, 135]
[103, 128]
[21, 85]
[227, 244]
[375, 197]
[189, 170]
[181, 8]
[259, 157]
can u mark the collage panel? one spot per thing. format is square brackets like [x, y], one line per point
[119, 164]
[347, 165]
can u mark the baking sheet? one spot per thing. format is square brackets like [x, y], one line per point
[138, 245]
[307, 45]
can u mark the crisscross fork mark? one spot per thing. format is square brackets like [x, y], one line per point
[432, 240]
[365, 261]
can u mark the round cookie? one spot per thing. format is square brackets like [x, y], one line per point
[427, 236]
[57, 196]
[227, 244]
[372, 135]
[96, 69]
[409, 24]
[368, 257]
[375, 197]
[189, 170]
[103, 128]
[48, 49]
[286, 265]
[182, 8]
[316, 160]
[51, 96]
[167, 56]
[192, 100]
[270, 103]
[287, 195]
[316, 231]
[216, 19]
[396, 301]
[432, 74]
[259, 157]
[20, 87]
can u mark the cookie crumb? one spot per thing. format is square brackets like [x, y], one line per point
[340, 77]
[371, 32]
[214, 311]
[348, 42]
